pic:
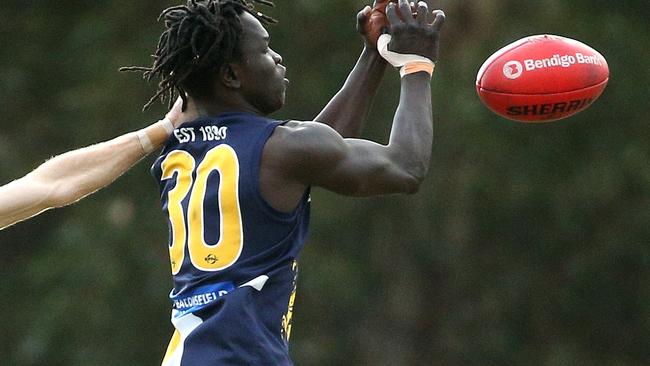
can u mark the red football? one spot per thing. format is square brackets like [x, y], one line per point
[542, 78]
[377, 21]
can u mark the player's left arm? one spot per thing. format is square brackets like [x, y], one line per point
[348, 109]
[71, 176]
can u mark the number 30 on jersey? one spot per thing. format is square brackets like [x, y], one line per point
[188, 227]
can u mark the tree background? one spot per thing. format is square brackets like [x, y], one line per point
[527, 244]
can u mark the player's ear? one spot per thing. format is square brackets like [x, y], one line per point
[228, 76]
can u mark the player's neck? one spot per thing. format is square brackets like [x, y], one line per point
[212, 107]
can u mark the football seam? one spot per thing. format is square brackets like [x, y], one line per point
[561, 92]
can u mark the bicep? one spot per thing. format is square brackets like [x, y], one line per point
[364, 168]
[352, 167]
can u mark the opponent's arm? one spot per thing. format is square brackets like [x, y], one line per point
[71, 176]
[348, 109]
[319, 156]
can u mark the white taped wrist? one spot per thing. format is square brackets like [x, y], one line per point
[145, 142]
[400, 59]
[413, 67]
[167, 125]
[155, 134]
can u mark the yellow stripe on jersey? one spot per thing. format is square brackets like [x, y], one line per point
[184, 325]
[172, 348]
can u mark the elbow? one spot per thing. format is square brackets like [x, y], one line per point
[407, 182]
[404, 181]
[411, 172]
[414, 177]
[412, 183]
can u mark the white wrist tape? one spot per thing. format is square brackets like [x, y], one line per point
[145, 141]
[398, 59]
[155, 133]
[167, 124]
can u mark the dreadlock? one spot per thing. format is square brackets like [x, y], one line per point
[200, 36]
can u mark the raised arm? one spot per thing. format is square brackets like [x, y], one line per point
[70, 177]
[348, 109]
[312, 153]
[363, 168]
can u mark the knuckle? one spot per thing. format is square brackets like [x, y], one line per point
[397, 29]
[411, 27]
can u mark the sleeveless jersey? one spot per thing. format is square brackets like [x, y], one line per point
[233, 257]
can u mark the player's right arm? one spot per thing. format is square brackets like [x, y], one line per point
[348, 109]
[356, 167]
[314, 154]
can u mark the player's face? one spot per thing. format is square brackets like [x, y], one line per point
[261, 72]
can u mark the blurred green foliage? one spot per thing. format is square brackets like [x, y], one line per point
[527, 244]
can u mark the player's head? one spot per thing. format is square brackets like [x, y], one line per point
[215, 48]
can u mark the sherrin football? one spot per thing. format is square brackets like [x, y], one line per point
[377, 20]
[542, 78]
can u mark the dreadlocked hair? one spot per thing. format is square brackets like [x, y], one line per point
[200, 36]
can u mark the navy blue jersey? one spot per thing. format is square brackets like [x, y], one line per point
[233, 257]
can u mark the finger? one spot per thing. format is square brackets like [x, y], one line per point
[175, 111]
[405, 11]
[177, 105]
[391, 14]
[430, 16]
[423, 11]
[414, 9]
[363, 16]
[439, 19]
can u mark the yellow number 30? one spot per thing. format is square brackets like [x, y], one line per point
[189, 226]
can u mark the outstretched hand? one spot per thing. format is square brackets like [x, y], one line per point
[412, 33]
